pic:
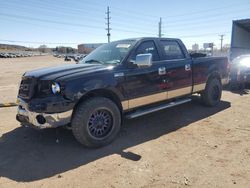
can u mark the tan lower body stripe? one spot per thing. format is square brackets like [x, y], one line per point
[140, 101]
[199, 87]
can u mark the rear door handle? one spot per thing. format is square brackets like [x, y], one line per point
[187, 67]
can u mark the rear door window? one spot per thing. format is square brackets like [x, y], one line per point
[171, 50]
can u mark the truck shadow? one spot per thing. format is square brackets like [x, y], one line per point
[28, 155]
[239, 91]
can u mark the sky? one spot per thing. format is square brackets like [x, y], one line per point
[70, 22]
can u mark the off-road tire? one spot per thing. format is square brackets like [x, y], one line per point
[81, 118]
[211, 96]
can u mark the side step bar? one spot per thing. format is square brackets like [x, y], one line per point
[157, 108]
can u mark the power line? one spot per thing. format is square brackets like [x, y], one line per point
[53, 12]
[28, 22]
[138, 20]
[202, 35]
[49, 21]
[76, 16]
[80, 25]
[202, 19]
[136, 13]
[60, 6]
[117, 29]
[209, 10]
[129, 31]
[38, 19]
[108, 24]
[193, 23]
[47, 5]
[129, 12]
[65, 23]
[77, 4]
[199, 34]
[36, 42]
[74, 10]
[57, 8]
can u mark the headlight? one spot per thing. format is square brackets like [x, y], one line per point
[245, 62]
[55, 87]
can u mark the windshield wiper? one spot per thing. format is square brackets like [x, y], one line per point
[94, 60]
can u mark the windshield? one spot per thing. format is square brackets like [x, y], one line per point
[111, 53]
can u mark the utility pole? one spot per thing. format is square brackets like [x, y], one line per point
[108, 23]
[221, 42]
[160, 25]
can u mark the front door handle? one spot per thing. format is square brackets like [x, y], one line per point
[187, 67]
[162, 70]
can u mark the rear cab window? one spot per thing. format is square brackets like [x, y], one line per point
[171, 50]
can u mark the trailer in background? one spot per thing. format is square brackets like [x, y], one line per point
[240, 54]
[240, 40]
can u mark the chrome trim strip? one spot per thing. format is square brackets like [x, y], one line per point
[199, 87]
[154, 109]
[118, 74]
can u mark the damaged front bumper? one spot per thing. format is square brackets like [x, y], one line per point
[41, 120]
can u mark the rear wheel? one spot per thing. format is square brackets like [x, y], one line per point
[212, 94]
[96, 122]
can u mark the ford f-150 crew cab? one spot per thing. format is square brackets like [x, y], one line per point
[121, 79]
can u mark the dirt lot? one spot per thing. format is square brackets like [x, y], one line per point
[188, 145]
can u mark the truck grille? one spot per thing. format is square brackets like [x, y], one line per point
[26, 89]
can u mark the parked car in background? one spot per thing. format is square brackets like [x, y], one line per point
[240, 39]
[67, 58]
[3, 55]
[18, 54]
[240, 72]
[240, 53]
[79, 57]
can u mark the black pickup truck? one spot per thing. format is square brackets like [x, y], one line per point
[122, 79]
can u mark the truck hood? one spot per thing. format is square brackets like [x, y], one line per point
[53, 73]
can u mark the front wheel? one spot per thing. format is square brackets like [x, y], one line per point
[212, 94]
[96, 122]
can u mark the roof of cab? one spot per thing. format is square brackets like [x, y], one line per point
[148, 38]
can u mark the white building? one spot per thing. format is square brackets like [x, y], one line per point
[195, 47]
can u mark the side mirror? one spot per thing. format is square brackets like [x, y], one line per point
[143, 60]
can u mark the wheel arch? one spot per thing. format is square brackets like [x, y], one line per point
[214, 73]
[101, 93]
